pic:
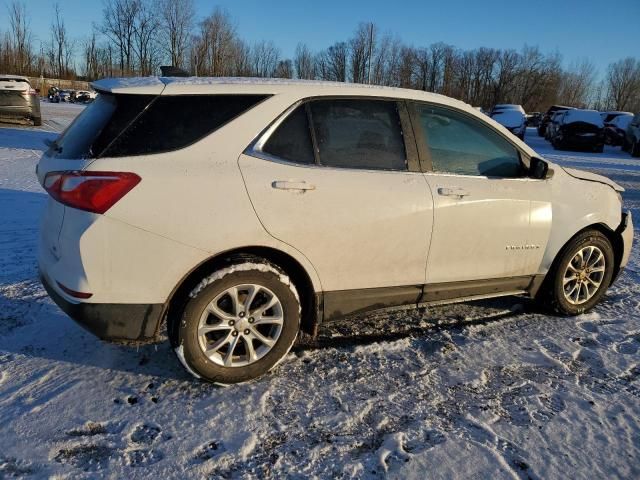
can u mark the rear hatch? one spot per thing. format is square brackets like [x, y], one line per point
[14, 94]
[88, 137]
[582, 130]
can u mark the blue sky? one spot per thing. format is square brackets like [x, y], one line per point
[598, 30]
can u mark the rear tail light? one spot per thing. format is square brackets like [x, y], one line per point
[94, 192]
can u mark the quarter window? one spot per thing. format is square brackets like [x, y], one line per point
[462, 145]
[358, 134]
[176, 121]
[292, 139]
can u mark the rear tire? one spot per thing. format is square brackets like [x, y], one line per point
[635, 149]
[581, 274]
[239, 323]
[37, 121]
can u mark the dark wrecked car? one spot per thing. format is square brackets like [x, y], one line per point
[579, 129]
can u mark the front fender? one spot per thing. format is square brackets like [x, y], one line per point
[578, 204]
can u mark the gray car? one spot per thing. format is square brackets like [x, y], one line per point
[18, 101]
[631, 142]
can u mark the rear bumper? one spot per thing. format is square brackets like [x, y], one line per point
[111, 321]
[582, 141]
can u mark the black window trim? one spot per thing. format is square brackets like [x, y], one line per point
[424, 152]
[255, 148]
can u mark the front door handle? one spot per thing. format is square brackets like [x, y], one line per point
[452, 192]
[288, 185]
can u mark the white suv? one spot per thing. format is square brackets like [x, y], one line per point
[240, 212]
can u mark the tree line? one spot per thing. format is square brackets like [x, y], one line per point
[135, 37]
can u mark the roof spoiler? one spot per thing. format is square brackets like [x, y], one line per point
[171, 71]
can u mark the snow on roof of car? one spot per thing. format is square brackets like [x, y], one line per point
[509, 118]
[200, 85]
[184, 84]
[616, 112]
[586, 116]
[14, 77]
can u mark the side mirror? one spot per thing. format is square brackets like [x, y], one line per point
[538, 168]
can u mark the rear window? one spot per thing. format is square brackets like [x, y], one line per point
[124, 125]
[584, 116]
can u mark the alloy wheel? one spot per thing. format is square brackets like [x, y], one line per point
[240, 325]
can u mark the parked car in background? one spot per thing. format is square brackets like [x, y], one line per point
[469, 212]
[64, 95]
[18, 101]
[546, 118]
[582, 129]
[84, 96]
[53, 95]
[513, 120]
[607, 117]
[534, 119]
[553, 124]
[616, 129]
[507, 106]
[631, 141]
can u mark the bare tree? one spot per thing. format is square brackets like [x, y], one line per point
[118, 24]
[145, 33]
[332, 63]
[284, 69]
[360, 51]
[61, 46]
[20, 40]
[303, 62]
[176, 22]
[576, 84]
[264, 59]
[624, 84]
[215, 45]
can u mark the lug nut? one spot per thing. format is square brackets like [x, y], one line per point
[232, 323]
[246, 332]
[241, 315]
[234, 333]
[251, 320]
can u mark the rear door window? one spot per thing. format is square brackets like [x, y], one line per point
[354, 133]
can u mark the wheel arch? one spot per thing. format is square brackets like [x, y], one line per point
[311, 303]
[613, 236]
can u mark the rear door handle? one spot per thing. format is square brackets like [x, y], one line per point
[288, 185]
[452, 192]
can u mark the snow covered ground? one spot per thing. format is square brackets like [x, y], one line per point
[494, 389]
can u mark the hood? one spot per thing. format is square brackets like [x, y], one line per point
[593, 177]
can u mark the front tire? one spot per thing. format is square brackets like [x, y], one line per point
[239, 323]
[581, 275]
